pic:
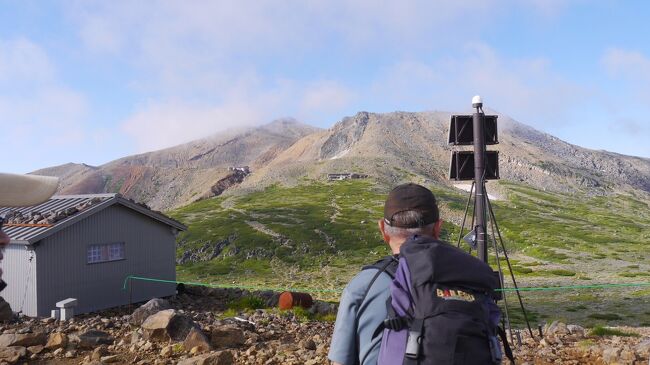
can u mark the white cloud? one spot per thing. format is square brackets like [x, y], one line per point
[548, 8]
[526, 88]
[98, 34]
[24, 61]
[201, 61]
[253, 26]
[40, 115]
[629, 73]
[627, 63]
[185, 49]
[163, 123]
[158, 125]
[326, 96]
[206, 56]
[630, 127]
[54, 112]
[168, 121]
[32, 100]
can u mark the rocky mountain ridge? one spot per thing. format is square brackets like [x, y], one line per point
[398, 146]
[389, 147]
[178, 175]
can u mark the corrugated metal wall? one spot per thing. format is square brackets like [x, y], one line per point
[20, 275]
[63, 271]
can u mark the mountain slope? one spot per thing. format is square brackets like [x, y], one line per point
[318, 234]
[175, 176]
[399, 146]
[568, 215]
[389, 147]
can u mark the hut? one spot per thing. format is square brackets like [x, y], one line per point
[84, 247]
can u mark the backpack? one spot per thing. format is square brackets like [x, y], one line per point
[442, 308]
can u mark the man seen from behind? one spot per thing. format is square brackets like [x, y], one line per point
[410, 210]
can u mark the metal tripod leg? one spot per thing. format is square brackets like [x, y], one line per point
[507, 325]
[462, 226]
[512, 275]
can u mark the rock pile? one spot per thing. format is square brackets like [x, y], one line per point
[186, 329]
[190, 329]
[51, 217]
[572, 344]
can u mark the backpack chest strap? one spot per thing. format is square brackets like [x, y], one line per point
[414, 339]
[392, 321]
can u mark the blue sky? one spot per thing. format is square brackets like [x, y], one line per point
[91, 81]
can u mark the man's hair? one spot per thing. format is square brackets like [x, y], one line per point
[407, 218]
[413, 197]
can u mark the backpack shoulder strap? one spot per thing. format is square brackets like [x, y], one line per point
[387, 264]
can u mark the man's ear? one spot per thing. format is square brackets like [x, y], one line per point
[437, 228]
[384, 236]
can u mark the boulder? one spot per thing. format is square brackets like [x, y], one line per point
[136, 335]
[167, 351]
[643, 348]
[196, 339]
[6, 314]
[167, 325]
[90, 339]
[151, 307]
[627, 356]
[110, 359]
[35, 349]
[214, 358]
[272, 299]
[99, 352]
[611, 354]
[23, 339]
[322, 308]
[12, 354]
[557, 328]
[574, 329]
[308, 344]
[57, 340]
[227, 337]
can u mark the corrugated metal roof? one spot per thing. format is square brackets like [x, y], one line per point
[61, 203]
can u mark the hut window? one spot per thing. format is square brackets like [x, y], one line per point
[105, 252]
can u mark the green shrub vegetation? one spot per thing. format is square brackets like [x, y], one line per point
[247, 303]
[317, 235]
[522, 270]
[576, 308]
[642, 293]
[562, 272]
[305, 315]
[606, 316]
[605, 331]
[633, 274]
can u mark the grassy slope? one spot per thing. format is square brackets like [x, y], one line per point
[319, 234]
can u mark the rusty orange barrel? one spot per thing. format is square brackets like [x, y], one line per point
[289, 300]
